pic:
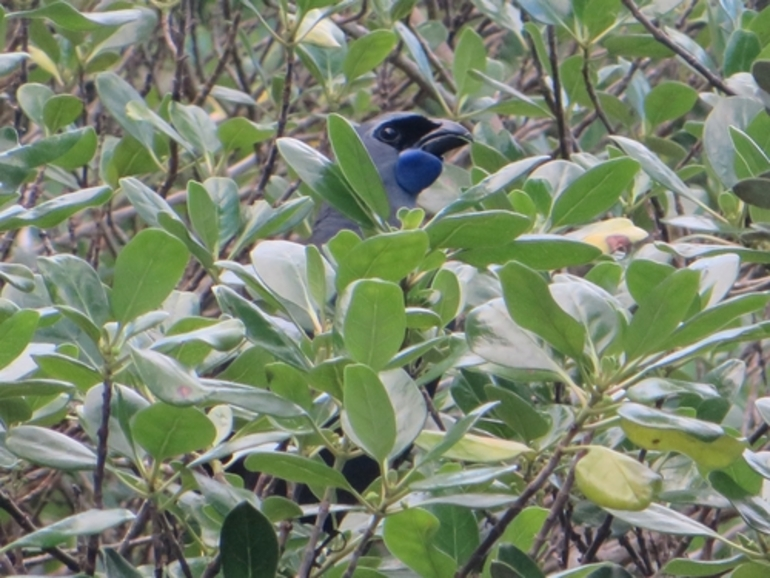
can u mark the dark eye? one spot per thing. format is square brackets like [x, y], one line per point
[388, 134]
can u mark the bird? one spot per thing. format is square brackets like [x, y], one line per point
[407, 148]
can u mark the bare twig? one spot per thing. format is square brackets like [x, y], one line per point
[664, 39]
[361, 548]
[532, 488]
[9, 506]
[283, 117]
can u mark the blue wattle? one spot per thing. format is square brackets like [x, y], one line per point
[417, 170]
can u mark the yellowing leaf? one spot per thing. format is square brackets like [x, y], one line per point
[44, 61]
[614, 480]
[705, 443]
[473, 448]
[317, 30]
[610, 235]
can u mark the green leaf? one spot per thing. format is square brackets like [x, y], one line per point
[661, 519]
[660, 313]
[203, 215]
[324, 178]
[115, 94]
[49, 448]
[357, 166]
[248, 544]
[41, 151]
[32, 98]
[458, 533]
[415, 48]
[195, 126]
[66, 16]
[476, 230]
[613, 480]
[707, 322]
[754, 192]
[88, 523]
[410, 536]
[81, 153]
[261, 329]
[754, 510]
[265, 221]
[636, 46]
[61, 110]
[239, 133]
[156, 212]
[705, 443]
[82, 375]
[470, 54]
[282, 267]
[653, 389]
[389, 256]
[368, 417]
[593, 193]
[753, 160]
[701, 568]
[146, 271]
[252, 399]
[492, 185]
[73, 282]
[539, 252]
[644, 275]
[168, 379]
[9, 61]
[761, 71]
[374, 321]
[366, 53]
[493, 335]
[518, 413]
[531, 306]
[742, 48]
[518, 104]
[51, 213]
[166, 431]
[33, 387]
[298, 469]
[15, 334]
[669, 100]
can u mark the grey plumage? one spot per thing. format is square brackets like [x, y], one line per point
[397, 143]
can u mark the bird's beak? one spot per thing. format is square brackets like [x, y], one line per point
[445, 137]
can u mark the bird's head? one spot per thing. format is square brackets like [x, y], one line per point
[408, 150]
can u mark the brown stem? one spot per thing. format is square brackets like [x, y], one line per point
[309, 556]
[532, 488]
[592, 92]
[553, 515]
[102, 437]
[229, 49]
[558, 108]
[361, 548]
[685, 55]
[9, 506]
[272, 155]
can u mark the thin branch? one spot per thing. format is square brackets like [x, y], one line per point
[283, 117]
[309, 556]
[558, 109]
[102, 437]
[228, 51]
[8, 505]
[685, 55]
[553, 515]
[408, 67]
[532, 488]
[592, 91]
[361, 548]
